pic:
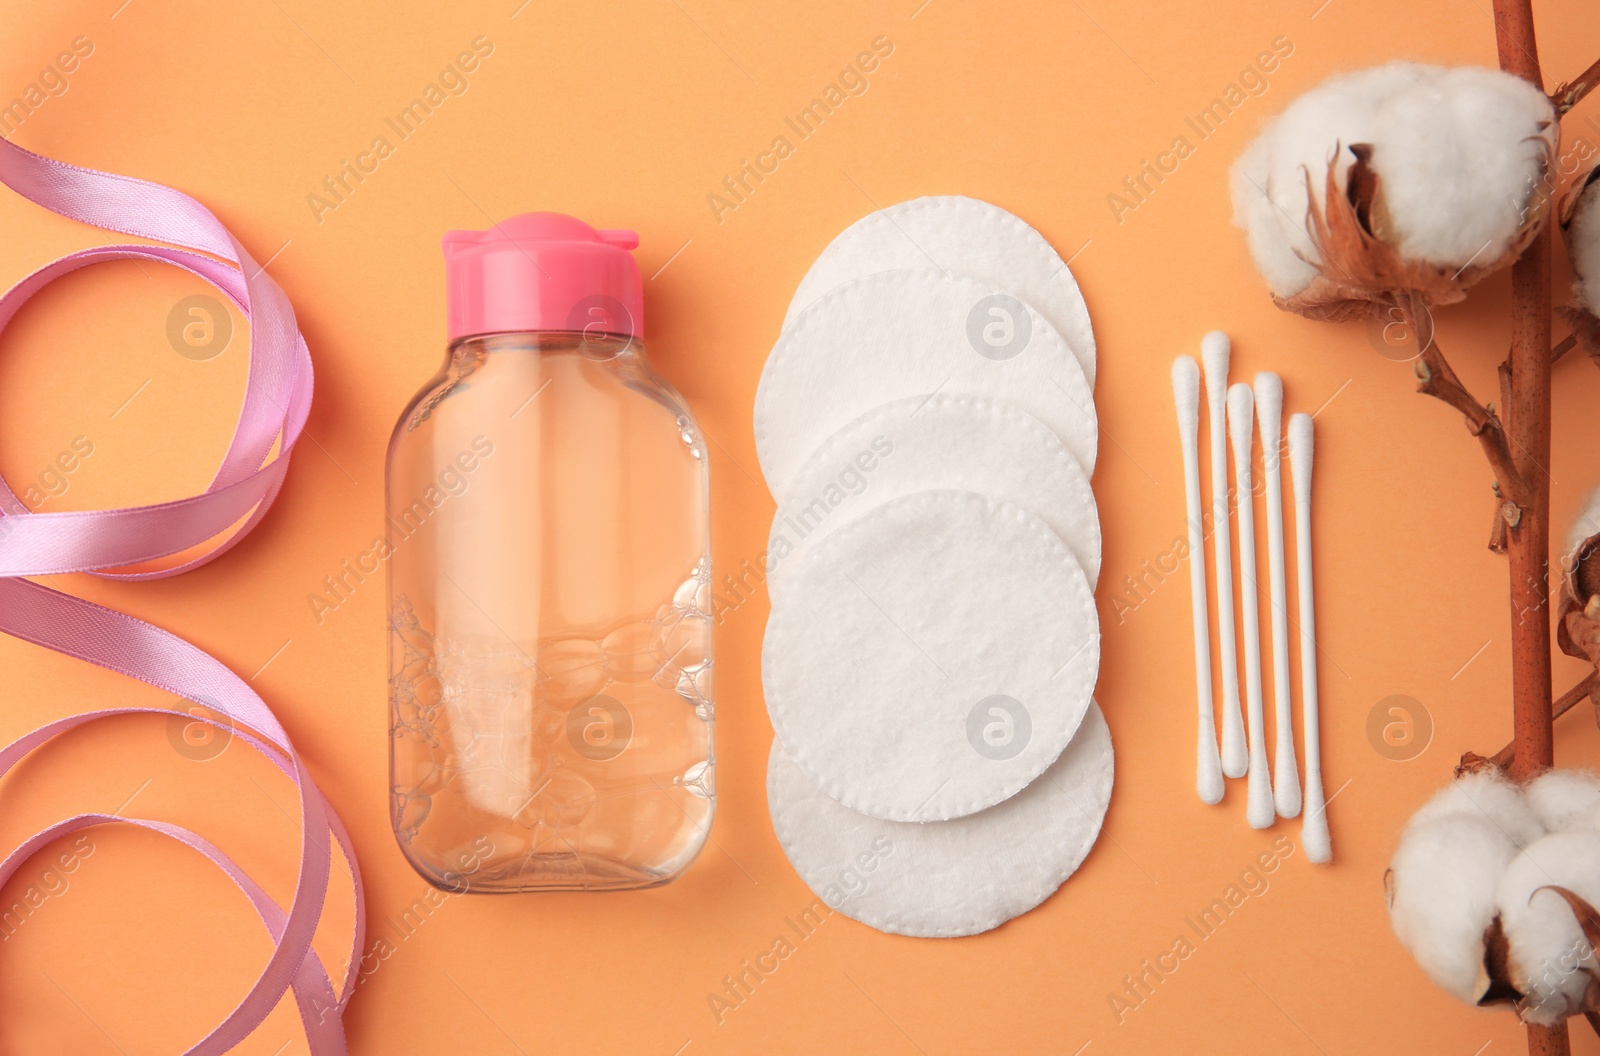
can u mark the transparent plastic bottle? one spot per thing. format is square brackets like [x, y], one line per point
[549, 581]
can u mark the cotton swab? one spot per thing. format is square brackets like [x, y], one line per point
[1314, 827]
[1186, 394]
[1241, 429]
[1269, 418]
[1214, 350]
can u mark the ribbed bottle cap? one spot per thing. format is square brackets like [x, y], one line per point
[542, 271]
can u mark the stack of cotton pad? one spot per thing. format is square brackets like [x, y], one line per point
[926, 423]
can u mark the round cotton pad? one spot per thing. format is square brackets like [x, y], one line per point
[945, 441]
[932, 656]
[966, 237]
[913, 333]
[947, 878]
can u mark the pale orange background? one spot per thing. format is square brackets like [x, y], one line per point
[630, 117]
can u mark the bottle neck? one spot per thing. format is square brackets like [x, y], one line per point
[599, 348]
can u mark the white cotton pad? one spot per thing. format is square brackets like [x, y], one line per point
[932, 656]
[965, 237]
[921, 443]
[947, 878]
[913, 333]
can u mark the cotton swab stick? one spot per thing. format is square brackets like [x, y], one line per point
[1269, 417]
[1186, 394]
[1214, 349]
[1314, 827]
[1241, 429]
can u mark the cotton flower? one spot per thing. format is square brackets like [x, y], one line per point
[1492, 890]
[1402, 177]
[1550, 961]
[1488, 795]
[1565, 800]
[1585, 526]
[1580, 560]
[1580, 224]
[1578, 612]
[1445, 875]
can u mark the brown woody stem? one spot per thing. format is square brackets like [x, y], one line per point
[1436, 378]
[1498, 528]
[1567, 95]
[1528, 420]
[1567, 344]
[1568, 701]
[1548, 1041]
[1528, 417]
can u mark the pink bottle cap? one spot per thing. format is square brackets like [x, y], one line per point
[542, 271]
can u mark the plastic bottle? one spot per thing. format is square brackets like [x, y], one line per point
[549, 581]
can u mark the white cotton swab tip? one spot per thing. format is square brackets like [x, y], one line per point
[1269, 395]
[1186, 393]
[1269, 409]
[1300, 453]
[1214, 351]
[1241, 421]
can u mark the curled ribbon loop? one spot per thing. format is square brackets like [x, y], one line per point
[276, 402]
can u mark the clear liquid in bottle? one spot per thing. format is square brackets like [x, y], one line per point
[550, 674]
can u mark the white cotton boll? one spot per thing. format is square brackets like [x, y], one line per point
[1443, 880]
[1550, 959]
[1583, 246]
[1273, 246]
[1268, 182]
[1459, 154]
[1587, 523]
[1460, 158]
[1445, 873]
[1564, 800]
[1490, 796]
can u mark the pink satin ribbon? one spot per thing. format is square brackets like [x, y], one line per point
[276, 401]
